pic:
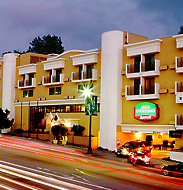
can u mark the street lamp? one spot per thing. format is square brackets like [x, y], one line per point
[88, 101]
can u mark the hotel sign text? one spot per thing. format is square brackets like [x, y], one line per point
[146, 111]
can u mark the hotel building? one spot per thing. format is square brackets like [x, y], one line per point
[138, 84]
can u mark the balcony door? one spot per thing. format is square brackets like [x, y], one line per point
[89, 71]
[80, 72]
[31, 76]
[58, 72]
[136, 86]
[149, 63]
[149, 85]
[136, 64]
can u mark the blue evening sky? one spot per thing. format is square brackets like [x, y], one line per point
[80, 23]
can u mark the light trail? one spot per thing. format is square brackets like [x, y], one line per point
[5, 187]
[31, 179]
[52, 175]
[18, 183]
[56, 155]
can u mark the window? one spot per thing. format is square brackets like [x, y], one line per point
[58, 72]
[80, 88]
[149, 62]
[68, 109]
[31, 76]
[51, 91]
[136, 64]
[80, 72]
[28, 93]
[58, 90]
[89, 71]
[136, 86]
[149, 85]
[55, 91]
[25, 94]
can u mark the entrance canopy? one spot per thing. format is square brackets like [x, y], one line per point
[155, 129]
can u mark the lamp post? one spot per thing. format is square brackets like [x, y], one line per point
[88, 101]
[89, 147]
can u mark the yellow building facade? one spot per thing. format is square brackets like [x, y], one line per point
[152, 75]
[50, 85]
[138, 84]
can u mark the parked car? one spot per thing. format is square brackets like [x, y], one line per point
[128, 147]
[176, 170]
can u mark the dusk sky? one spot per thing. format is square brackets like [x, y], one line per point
[80, 23]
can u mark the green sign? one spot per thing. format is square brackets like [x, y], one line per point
[89, 104]
[146, 111]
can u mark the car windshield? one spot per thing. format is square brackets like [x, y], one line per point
[128, 144]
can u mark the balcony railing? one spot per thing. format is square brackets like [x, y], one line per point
[179, 92]
[46, 80]
[27, 83]
[141, 93]
[143, 69]
[84, 76]
[179, 61]
[53, 80]
[178, 87]
[132, 91]
[76, 76]
[178, 121]
[145, 90]
[179, 64]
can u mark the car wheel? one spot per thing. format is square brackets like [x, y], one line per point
[165, 172]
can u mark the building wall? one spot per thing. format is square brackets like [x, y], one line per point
[167, 103]
[69, 92]
[8, 83]
[111, 83]
[1, 75]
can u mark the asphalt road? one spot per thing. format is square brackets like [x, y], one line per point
[30, 164]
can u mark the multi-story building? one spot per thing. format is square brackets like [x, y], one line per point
[53, 84]
[152, 91]
[138, 84]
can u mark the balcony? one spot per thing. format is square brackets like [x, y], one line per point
[179, 92]
[142, 93]
[27, 83]
[179, 64]
[53, 80]
[178, 121]
[84, 76]
[143, 70]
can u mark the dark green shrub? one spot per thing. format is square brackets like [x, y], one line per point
[56, 131]
[78, 130]
[19, 131]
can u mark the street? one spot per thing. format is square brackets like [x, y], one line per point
[31, 164]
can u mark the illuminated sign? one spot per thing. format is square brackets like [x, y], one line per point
[146, 111]
[175, 134]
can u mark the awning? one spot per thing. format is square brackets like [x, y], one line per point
[155, 129]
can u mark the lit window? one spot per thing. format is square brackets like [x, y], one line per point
[25, 94]
[80, 88]
[58, 90]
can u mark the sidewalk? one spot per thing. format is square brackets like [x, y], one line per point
[157, 157]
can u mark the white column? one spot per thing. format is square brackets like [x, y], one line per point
[9, 81]
[111, 87]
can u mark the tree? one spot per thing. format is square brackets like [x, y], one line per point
[46, 45]
[5, 122]
[181, 30]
